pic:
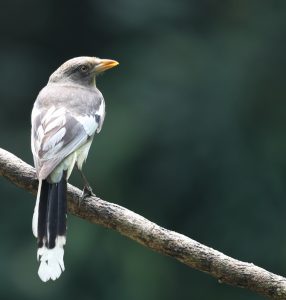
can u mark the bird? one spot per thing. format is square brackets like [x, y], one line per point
[66, 115]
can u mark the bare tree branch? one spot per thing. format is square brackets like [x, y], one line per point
[193, 254]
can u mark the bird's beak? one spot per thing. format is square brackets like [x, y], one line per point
[105, 64]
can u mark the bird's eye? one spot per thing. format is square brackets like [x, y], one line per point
[84, 68]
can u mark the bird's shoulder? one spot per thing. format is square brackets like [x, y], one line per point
[74, 97]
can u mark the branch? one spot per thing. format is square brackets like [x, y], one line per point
[193, 254]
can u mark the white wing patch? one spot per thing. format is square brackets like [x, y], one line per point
[101, 109]
[89, 123]
[92, 123]
[101, 114]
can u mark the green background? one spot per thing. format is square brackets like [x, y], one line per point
[194, 139]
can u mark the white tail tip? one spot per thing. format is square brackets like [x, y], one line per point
[52, 260]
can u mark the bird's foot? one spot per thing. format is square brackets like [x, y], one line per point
[86, 192]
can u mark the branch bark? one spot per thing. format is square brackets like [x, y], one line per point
[193, 254]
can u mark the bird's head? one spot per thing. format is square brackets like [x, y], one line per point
[81, 70]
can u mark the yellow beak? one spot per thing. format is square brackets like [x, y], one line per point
[105, 64]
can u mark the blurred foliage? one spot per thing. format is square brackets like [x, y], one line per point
[194, 139]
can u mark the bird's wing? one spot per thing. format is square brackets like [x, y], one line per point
[57, 132]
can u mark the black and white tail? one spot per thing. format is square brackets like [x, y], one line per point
[49, 226]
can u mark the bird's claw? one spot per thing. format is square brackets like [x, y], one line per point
[86, 192]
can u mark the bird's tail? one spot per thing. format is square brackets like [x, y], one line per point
[49, 226]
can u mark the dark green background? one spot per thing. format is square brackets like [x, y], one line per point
[194, 139]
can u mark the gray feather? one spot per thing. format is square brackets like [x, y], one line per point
[56, 135]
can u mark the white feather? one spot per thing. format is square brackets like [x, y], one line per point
[40, 132]
[34, 142]
[36, 211]
[66, 164]
[88, 122]
[35, 113]
[53, 118]
[48, 114]
[52, 260]
[59, 112]
[101, 113]
[82, 153]
[54, 139]
[53, 123]
[51, 154]
[101, 109]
